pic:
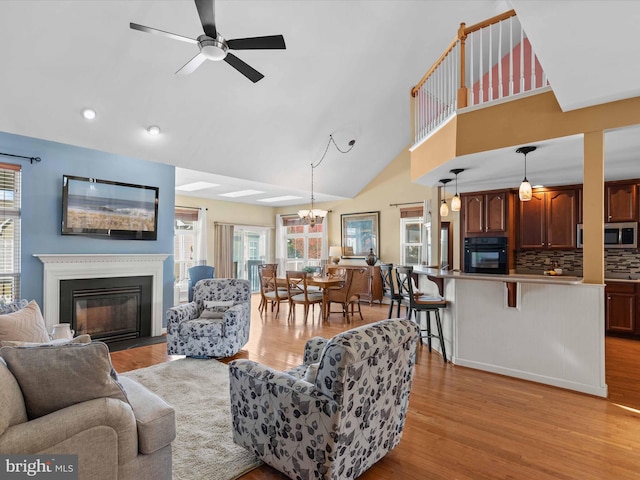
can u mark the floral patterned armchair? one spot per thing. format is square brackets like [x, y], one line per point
[337, 414]
[218, 331]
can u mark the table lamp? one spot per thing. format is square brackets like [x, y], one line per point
[335, 252]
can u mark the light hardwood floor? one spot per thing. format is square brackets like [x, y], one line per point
[469, 425]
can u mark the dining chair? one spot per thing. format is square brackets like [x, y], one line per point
[422, 303]
[270, 292]
[299, 294]
[359, 284]
[340, 295]
[389, 288]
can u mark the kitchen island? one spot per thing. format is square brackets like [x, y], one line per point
[540, 328]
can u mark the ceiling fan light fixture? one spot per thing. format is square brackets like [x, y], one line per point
[214, 49]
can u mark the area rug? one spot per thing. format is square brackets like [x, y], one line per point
[198, 389]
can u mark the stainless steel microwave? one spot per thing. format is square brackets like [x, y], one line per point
[616, 235]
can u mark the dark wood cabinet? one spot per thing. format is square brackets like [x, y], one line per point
[373, 293]
[620, 202]
[621, 307]
[485, 213]
[549, 220]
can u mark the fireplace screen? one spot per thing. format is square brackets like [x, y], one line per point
[108, 309]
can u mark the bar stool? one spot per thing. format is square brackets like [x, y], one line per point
[389, 289]
[422, 303]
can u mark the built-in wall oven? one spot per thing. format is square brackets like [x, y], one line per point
[485, 255]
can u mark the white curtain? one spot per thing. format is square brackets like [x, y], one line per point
[201, 237]
[281, 245]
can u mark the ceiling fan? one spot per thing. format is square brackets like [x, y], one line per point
[213, 46]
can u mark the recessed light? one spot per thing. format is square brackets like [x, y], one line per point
[241, 193]
[153, 130]
[279, 199]
[89, 113]
[190, 187]
[537, 186]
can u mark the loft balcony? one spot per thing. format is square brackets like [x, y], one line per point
[485, 63]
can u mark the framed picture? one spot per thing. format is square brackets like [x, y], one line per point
[360, 233]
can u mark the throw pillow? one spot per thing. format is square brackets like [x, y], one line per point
[53, 377]
[25, 325]
[218, 306]
[208, 314]
[59, 341]
[12, 306]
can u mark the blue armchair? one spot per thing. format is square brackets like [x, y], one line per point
[197, 273]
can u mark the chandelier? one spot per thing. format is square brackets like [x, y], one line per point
[315, 215]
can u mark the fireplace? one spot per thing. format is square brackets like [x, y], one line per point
[109, 309]
[60, 267]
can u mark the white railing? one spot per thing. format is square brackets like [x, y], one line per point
[487, 61]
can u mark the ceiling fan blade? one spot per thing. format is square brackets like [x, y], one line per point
[271, 42]
[249, 72]
[192, 64]
[142, 28]
[206, 12]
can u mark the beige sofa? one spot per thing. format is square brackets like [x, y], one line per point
[114, 439]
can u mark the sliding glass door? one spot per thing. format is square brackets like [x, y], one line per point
[250, 248]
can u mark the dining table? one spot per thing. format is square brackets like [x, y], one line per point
[324, 283]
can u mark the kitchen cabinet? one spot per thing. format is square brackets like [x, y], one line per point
[620, 202]
[485, 213]
[621, 307]
[549, 220]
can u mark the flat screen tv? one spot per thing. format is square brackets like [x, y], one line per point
[102, 208]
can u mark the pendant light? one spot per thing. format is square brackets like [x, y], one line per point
[315, 215]
[525, 192]
[456, 204]
[444, 208]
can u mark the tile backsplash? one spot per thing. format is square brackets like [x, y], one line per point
[616, 260]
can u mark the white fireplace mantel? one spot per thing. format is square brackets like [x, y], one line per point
[59, 267]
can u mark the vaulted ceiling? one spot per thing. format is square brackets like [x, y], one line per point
[347, 71]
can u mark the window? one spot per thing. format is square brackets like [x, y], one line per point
[10, 231]
[414, 239]
[304, 243]
[184, 244]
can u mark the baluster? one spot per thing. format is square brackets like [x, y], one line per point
[471, 76]
[500, 92]
[454, 79]
[481, 71]
[533, 66]
[490, 69]
[521, 60]
[511, 56]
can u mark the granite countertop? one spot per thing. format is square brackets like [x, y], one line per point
[512, 277]
[528, 277]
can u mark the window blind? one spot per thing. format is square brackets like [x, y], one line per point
[10, 201]
[411, 212]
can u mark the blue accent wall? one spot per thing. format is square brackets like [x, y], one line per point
[42, 205]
